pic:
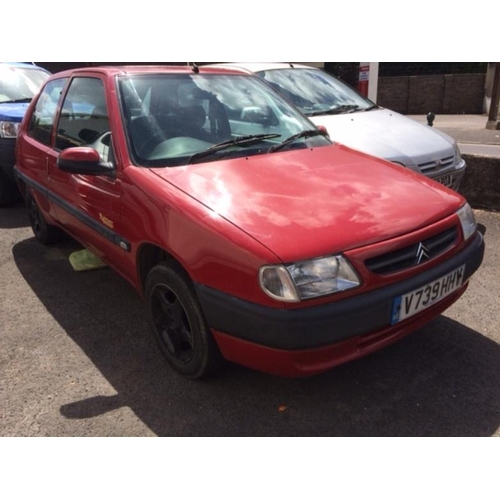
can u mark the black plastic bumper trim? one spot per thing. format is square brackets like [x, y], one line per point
[318, 326]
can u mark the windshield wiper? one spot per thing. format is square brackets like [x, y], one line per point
[345, 108]
[244, 140]
[301, 135]
[15, 101]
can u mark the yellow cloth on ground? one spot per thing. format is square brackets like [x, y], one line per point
[85, 260]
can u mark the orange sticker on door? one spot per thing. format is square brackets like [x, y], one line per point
[106, 221]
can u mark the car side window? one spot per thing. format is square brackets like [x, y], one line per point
[42, 120]
[84, 117]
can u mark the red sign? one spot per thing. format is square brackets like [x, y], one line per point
[364, 74]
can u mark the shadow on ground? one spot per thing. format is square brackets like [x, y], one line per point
[441, 381]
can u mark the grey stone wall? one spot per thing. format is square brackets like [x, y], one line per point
[481, 183]
[441, 94]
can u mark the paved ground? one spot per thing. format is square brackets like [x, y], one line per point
[468, 130]
[76, 359]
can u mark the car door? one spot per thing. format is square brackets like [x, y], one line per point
[37, 144]
[88, 206]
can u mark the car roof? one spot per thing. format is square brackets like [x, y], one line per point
[254, 67]
[145, 69]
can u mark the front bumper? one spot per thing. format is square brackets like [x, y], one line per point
[7, 157]
[451, 178]
[247, 332]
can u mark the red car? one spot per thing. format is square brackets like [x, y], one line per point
[249, 234]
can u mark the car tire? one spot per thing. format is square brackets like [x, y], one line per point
[9, 192]
[44, 232]
[178, 323]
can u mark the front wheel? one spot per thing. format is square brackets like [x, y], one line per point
[178, 324]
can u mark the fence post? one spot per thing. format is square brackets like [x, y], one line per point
[493, 123]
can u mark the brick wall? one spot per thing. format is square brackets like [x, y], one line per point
[464, 94]
[443, 94]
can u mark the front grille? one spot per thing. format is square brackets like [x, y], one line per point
[413, 255]
[436, 165]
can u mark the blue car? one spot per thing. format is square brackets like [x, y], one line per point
[19, 82]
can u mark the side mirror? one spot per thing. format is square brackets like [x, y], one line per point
[83, 161]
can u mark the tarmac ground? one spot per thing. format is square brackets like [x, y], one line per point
[466, 129]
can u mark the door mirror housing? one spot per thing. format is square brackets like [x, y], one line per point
[83, 161]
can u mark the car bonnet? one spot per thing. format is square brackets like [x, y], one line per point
[315, 202]
[13, 111]
[387, 134]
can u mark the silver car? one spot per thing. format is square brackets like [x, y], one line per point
[355, 121]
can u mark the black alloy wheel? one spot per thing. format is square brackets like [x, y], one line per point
[178, 323]
[172, 323]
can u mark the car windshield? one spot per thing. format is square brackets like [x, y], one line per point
[181, 119]
[20, 84]
[315, 92]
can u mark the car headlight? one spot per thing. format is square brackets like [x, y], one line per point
[468, 221]
[8, 130]
[308, 279]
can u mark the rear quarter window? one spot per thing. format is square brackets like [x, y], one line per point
[41, 122]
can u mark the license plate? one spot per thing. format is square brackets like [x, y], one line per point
[416, 301]
[446, 180]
